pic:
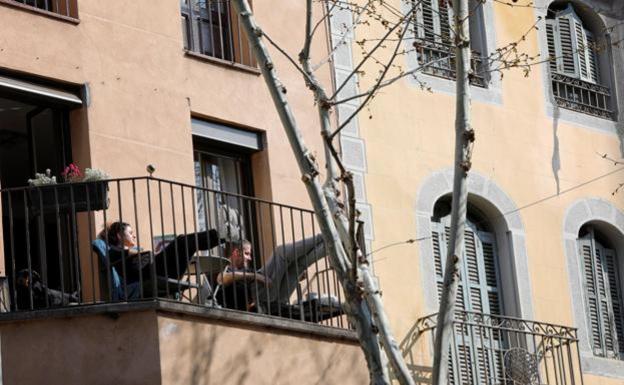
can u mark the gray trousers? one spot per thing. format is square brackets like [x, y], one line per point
[286, 265]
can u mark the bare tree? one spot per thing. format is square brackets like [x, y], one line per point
[464, 138]
[337, 220]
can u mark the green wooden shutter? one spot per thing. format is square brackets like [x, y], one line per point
[602, 296]
[426, 20]
[551, 26]
[473, 359]
[567, 62]
[573, 45]
[614, 288]
[444, 22]
[589, 281]
[592, 59]
[581, 52]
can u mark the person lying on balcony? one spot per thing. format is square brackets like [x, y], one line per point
[274, 283]
[170, 262]
[237, 278]
[42, 296]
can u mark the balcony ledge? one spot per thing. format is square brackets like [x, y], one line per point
[230, 317]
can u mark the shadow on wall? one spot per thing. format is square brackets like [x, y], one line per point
[420, 373]
[200, 353]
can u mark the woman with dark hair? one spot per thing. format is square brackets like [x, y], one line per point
[171, 261]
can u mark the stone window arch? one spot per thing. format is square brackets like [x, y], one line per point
[593, 236]
[490, 207]
[603, 291]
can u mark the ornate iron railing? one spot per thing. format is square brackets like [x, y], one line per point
[55, 253]
[438, 59]
[578, 95]
[491, 349]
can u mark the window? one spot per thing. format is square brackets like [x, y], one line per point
[60, 7]
[478, 292]
[222, 156]
[575, 70]
[227, 172]
[433, 43]
[212, 28]
[603, 294]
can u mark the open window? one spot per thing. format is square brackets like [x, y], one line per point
[434, 39]
[222, 156]
[579, 56]
[212, 28]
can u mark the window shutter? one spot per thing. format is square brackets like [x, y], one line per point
[590, 46]
[567, 64]
[445, 21]
[477, 292]
[591, 293]
[610, 263]
[428, 20]
[551, 26]
[581, 49]
[490, 265]
[604, 300]
[602, 291]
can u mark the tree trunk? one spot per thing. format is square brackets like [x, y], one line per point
[464, 137]
[357, 309]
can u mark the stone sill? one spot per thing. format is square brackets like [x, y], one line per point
[221, 62]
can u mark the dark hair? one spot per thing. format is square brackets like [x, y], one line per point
[235, 245]
[113, 233]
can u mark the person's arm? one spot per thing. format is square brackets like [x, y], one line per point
[227, 277]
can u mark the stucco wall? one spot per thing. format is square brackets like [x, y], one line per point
[82, 350]
[195, 352]
[143, 89]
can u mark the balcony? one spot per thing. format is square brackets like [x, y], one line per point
[438, 60]
[490, 349]
[578, 95]
[57, 257]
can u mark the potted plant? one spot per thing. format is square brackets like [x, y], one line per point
[79, 192]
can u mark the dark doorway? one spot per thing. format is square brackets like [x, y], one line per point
[34, 137]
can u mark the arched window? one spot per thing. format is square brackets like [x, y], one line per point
[576, 51]
[434, 39]
[479, 289]
[476, 355]
[603, 293]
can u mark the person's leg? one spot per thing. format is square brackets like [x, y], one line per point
[178, 252]
[286, 266]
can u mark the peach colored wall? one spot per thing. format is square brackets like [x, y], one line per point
[143, 89]
[195, 352]
[83, 350]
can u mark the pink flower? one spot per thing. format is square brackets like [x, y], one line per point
[72, 173]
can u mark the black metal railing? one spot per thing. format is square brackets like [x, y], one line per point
[212, 28]
[578, 95]
[438, 59]
[56, 253]
[492, 349]
[61, 7]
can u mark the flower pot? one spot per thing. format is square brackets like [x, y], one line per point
[79, 197]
